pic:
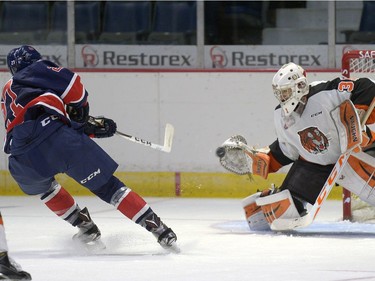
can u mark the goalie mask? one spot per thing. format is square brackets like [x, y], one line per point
[21, 57]
[290, 86]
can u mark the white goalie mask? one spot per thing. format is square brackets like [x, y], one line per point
[289, 86]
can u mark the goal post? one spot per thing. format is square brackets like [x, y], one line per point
[355, 64]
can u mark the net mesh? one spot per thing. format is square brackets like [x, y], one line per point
[362, 65]
[361, 211]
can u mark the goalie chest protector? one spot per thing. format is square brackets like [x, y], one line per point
[313, 135]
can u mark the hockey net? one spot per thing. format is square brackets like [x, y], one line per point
[355, 64]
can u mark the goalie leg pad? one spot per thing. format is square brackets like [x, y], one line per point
[254, 214]
[278, 206]
[358, 176]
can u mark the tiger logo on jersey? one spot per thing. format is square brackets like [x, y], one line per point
[313, 140]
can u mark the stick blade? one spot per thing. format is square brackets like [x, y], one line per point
[168, 137]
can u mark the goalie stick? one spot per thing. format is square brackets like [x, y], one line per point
[168, 138]
[290, 224]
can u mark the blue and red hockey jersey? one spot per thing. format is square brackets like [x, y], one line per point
[42, 86]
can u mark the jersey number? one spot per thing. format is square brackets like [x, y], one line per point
[9, 98]
[347, 86]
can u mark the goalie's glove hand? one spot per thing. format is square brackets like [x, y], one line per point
[78, 114]
[100, 127]
[237, 157]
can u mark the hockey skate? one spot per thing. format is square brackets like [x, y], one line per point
[165, 236]
[10, 270]
[89, 233]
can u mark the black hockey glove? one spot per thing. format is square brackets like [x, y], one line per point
[100, 127]
[78, 114]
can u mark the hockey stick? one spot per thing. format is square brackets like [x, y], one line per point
[290, 224]
[168, 138]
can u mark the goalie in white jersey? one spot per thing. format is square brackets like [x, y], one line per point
[313, 127]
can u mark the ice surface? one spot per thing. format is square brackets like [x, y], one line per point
[212, 234]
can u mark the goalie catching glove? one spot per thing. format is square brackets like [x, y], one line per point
[100, 127]
[237, 157]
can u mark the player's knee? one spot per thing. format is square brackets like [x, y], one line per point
[36, 187]
[278, 205]
[54, 188]
[299, 204]
[109, 190]
[262, 208]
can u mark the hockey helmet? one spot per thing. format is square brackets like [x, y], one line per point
[21, 57]
[289, 86]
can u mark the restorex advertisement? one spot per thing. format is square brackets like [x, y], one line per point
[186, 57]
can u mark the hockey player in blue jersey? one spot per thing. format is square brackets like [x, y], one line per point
[49, 131]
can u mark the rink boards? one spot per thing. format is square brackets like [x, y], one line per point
[174, 184]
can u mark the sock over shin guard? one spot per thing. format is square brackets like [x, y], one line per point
[131, 204]
[59, 201]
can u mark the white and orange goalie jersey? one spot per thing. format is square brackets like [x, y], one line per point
[319, 135]
[314, 135]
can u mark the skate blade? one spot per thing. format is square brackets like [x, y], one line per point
[5, 277]
[174, 248]
[91, 247]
